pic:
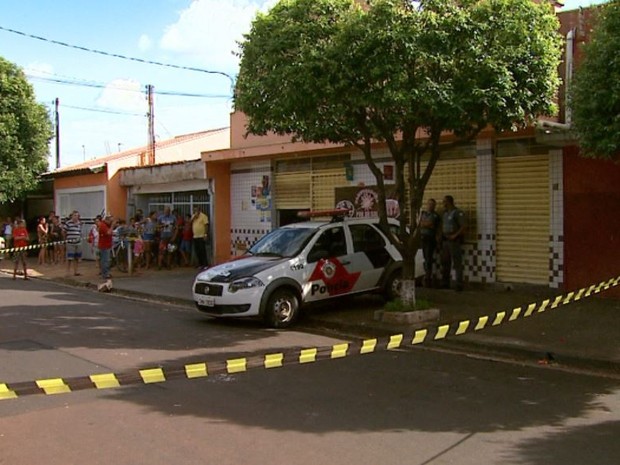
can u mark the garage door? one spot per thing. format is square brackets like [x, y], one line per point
[523, 219]
[89, 204]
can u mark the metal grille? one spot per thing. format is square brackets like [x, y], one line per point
[209, 289]
[182, 202]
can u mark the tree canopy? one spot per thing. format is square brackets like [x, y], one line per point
[400, 72]
[595, 96]
[25, 132]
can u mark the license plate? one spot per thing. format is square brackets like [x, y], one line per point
[206, 301]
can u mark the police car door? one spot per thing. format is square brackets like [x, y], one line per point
[329, 264]
[370, 254]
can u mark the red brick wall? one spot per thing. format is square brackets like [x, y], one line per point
[591, 221]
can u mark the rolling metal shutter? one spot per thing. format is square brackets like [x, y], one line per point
[292, 190]
[308, 183]
[324, 183]
[523, 219]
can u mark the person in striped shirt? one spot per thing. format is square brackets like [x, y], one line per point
[73, 235]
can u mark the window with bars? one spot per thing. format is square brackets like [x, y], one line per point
[182, 202]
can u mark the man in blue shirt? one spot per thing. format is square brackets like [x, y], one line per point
[167, 225]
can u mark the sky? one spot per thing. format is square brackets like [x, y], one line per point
[102, 99]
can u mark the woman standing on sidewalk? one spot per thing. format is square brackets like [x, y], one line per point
[42, 232]
[55, 236]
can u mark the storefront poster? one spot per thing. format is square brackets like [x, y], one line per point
[362, 201]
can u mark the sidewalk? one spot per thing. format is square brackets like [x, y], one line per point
[583, 335]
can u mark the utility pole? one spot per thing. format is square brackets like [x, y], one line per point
[151, 117]
[57, 128]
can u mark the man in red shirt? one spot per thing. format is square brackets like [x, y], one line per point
[20, 239]
[105, 245]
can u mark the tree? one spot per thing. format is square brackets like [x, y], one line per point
[595, 96]
[25, 132]
[409, 74]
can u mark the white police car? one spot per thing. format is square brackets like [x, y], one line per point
[301, 263]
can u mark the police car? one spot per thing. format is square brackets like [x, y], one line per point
[302, 263]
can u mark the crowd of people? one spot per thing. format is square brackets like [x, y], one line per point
[168, 239]
[164, 239]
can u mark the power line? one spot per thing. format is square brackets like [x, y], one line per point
[103, 86]
[116, 55]
[99, 110]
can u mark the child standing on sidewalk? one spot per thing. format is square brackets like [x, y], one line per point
[186, 241]
[20, 239]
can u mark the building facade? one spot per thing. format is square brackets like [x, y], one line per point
[108, 184]
[524, 193]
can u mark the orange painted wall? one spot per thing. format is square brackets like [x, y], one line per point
[220, 173]
[239, 138]
[83, 180]
[117, 197]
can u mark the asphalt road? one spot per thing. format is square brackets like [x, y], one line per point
[403, 407]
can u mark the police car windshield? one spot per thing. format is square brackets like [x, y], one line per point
[283, 242]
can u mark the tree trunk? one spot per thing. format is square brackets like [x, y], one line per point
[407, 293]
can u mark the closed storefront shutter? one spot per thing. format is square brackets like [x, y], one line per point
[308, 183]
[292, 190]
[523, 219]
[324, 183]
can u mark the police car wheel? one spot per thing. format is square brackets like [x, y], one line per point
[393, 285]
[282, 309]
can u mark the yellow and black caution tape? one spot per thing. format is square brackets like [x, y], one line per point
[36, 246]
[293, 357]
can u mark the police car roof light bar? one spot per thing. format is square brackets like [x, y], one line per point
[337, 214]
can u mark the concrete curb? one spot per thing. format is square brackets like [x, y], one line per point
[490, 349]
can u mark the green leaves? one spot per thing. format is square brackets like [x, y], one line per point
[25, 131]
[595, 96]
[311, 68]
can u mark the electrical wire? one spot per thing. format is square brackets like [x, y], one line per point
[117, 55]
[103, 86]
[99, 110]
